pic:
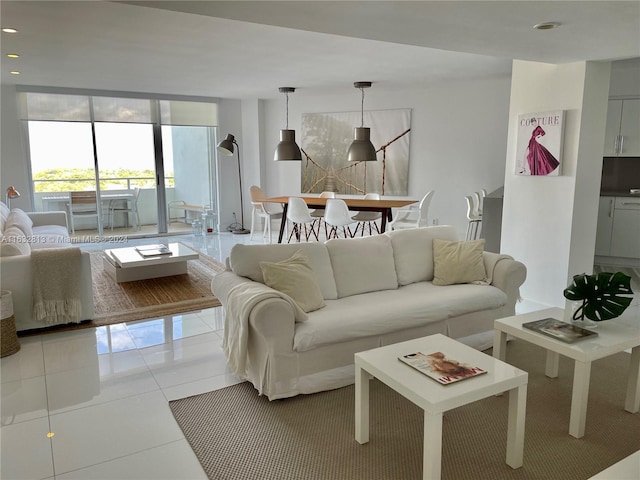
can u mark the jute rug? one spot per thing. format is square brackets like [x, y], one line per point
[125, 302]
[238, 435]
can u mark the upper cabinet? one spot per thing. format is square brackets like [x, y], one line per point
[622, 137]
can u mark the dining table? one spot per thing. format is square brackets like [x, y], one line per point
[383, 206]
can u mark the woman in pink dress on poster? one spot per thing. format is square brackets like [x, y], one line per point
[540, 160]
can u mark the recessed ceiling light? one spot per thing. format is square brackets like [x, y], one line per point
[9, 30]
[14, 72]
[546, 26]
[13, 55]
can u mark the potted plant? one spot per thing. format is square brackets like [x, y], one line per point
[604, 296]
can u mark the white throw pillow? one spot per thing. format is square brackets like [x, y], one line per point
[362, 265]
[14, 242]
[245, 261]
[18, 218]
[458, 262]
[294, 277]
[413, 251]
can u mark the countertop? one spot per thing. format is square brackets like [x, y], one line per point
[614, 193]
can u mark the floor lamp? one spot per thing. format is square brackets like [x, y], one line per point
[11, 194]
[226, 148]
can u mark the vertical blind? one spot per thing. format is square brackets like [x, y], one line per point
[77, 108]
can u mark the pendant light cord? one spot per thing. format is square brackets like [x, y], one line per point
[362, 108]
[287, 110]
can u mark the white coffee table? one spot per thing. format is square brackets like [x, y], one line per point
[613, 337]
[127, 265]
[435, 399]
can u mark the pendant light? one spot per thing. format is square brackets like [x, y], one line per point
[361, 149]
[287, 149]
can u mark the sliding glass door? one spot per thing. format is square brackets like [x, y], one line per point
[126, 168]
[151, 163]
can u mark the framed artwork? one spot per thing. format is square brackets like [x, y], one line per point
[325, 141]
[540, 143]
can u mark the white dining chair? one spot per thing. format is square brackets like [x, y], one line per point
[263, 211]
[479, 198]
[82, 204]
[337, 215]
[116, 206]
[299, 216]
[369, 219]
[413, 217]
[318, 213]
[474, 218]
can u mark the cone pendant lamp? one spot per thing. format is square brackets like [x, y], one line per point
[361, 149]
[287, 149]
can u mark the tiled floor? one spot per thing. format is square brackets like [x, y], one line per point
[103, 393]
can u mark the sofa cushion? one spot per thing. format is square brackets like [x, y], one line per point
[362, 265]
[295, 277]
[4, 214]
[50, 236]
[14, 242]
[245, 261]
[458, 262]
[18, 218]
[413, 251]
[413, 306]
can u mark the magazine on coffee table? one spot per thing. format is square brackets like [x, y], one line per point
[153, 250]
[559, 330]
[441, 368]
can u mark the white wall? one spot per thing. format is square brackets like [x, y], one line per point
[230, 119]
[458, 139]
[549, 222]
[13, 163]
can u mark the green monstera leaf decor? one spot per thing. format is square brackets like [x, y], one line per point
[603, 295]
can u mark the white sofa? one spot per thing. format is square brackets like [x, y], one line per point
[377, 290]
[21, 233]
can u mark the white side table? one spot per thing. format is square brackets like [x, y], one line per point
[626, 469]
[435, 399]
[614, 336]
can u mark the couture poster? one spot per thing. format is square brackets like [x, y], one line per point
[540, 143]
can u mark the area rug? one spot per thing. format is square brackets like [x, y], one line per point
[237, 434]
[125, 302]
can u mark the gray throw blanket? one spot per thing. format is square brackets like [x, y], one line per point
[55, 274]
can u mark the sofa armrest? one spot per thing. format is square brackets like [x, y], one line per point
[274, 321]
[223, 282]
[16, 275]
[48, 218]
[272, 318]
[508, 276]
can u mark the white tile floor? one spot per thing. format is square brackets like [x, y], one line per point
[103, 392]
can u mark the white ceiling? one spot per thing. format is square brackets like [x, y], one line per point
[246, 49]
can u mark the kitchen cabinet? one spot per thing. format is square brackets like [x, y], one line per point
[625, 233]
[605, 226]
[622, 135]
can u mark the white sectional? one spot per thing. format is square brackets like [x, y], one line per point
[24, 232]
[377, 290]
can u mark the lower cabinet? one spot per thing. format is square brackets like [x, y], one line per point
[605, 226]
[625, 234]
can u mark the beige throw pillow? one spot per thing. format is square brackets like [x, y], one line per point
[295, 278]
[458, 262]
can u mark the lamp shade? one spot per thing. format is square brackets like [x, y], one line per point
[12, 192]
[225, 147]
[287, 149]
[361, 149]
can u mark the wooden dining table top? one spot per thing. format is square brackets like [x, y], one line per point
[351, 202]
